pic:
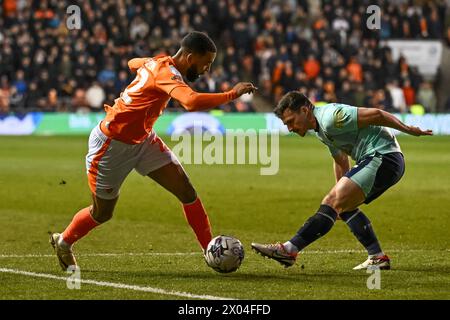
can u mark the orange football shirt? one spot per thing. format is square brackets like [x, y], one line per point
[134, 113]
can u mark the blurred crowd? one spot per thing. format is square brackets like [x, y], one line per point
[336, 57]
[277, 45]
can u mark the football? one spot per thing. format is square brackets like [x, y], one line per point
[224, 254]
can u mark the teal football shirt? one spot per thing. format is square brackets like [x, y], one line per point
[338, 129]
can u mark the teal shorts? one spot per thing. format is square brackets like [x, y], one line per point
[378, 173]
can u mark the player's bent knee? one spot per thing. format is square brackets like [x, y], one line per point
[329, 199]
[333, 200]
[188, 194]
[102, 210]
[102, 216]
[341, 204]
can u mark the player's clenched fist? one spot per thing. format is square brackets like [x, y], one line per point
[244, 87]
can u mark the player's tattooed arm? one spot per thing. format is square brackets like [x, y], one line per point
[376, 117]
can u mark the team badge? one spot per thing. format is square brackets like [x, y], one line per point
[177, 78]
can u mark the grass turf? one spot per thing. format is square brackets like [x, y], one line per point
[43, 184]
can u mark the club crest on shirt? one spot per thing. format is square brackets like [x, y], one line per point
[339, 118]
[176, 74]
[177, 78]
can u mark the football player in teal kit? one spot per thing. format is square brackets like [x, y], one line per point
[360, 133]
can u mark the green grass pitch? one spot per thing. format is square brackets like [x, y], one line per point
[43, 183]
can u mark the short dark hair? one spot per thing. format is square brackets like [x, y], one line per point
[293, 100]
[198, 42]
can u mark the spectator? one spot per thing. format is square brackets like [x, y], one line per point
[345, 95]
[288, 78]
[279, 44]
[122, 81]
[244, 105]
[138, 28]
[434, 25]
[398, 97]
[95, 97]
[409, 93]
[311, 67]
[277, 73]
[79, 101]
[355, 70]
[65, 66]
[381, 101]
[52, 104]
[427, 97]
[17, 100]
[340, 23]
[329, 92]
[44, 12]
[360, 96]
[447, 36]
[32, 97]
[7, 61]
[4, 95]
[107, 74]
[10, 7]
[19, 83]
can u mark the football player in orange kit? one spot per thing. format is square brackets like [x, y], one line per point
[125, 140]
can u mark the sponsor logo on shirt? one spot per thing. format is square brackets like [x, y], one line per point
[339, 118]
[177, 78]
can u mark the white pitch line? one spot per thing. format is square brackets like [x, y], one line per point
[121, 254]
[364, 251]
[169, 254]
[116, 285]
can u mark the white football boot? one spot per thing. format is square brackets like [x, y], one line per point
[276, 252]
[381, 262]
[65, 255]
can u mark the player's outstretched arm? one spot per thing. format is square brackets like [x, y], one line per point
[195, 101]
[376, 117]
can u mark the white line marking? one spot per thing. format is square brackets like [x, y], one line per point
[170, 254]
[121, 254]
[116, 285]
[364, 251]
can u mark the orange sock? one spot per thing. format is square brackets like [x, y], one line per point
[198, 220]
[81, 224]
